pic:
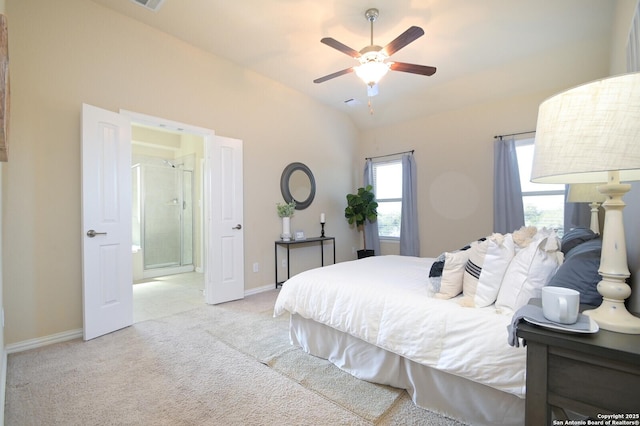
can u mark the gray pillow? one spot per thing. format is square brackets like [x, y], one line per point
[575, 237]
[580, 271]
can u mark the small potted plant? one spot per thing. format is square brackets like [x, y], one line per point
[285, 211]
[361, 208]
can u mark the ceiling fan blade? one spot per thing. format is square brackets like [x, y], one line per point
[333, 75]
[413, 68]
[332, 42]
[403, 39]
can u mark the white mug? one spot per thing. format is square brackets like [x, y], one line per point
[560, 304]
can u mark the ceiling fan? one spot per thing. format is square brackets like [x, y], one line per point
[372, 58]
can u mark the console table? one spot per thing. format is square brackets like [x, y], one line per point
[592, 374]
[289, 244]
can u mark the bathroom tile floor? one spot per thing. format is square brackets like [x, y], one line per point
[168, 295]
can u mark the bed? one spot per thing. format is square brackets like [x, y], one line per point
[386, 319]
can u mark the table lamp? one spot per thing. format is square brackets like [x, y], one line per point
[587, 193]
[591, 134]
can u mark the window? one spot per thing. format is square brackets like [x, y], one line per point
[387, 185]
[543, 203]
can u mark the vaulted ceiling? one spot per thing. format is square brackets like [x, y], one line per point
[483, 50]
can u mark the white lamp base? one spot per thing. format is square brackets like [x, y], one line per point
[595, 223]
[612, 314]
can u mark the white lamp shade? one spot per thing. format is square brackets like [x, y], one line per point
[589, 130]
[584, 193]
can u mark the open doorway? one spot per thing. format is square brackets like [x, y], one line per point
[167, 221]
[107, 272]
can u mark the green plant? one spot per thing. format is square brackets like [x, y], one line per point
[361, 207]
[286, 209]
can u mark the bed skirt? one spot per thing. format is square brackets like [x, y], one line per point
[440, 392]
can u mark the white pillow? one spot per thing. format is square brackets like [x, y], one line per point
[524, 236]
[451, 282]
[483, 276]
[531, 269]
[472, 272]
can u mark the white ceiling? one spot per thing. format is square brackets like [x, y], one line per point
[483, 49]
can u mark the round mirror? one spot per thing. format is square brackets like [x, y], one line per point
[297, 184]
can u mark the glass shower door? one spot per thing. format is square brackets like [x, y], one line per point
[162, 216]
[187, 217]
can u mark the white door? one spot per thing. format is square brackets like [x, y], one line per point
[225, 259]
[107, 292]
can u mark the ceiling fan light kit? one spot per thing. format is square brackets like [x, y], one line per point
[372, 68]
[372, 58]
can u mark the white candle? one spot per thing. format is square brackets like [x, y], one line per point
[321, 217]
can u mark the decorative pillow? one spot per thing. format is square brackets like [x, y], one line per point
[524, 236]
[530, 269]
[485, 269]
[437, 268]
[575, 237]
[451, 280]
[472, 271]
[580, 271]
[435, 273]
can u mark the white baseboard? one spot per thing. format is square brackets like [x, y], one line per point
[257, 290]
[3, 385]
[43, 341]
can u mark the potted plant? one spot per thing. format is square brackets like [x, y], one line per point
[361, 207]
[285, 211]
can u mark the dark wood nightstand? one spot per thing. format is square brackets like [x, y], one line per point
[590, 374]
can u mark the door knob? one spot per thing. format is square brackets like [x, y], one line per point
[238, 226]
[91, 233]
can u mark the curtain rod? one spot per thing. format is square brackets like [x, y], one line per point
[390, 155]
[513, 134]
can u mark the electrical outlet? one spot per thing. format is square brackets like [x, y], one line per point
[256, 267]
[284, 263]
[353, 250]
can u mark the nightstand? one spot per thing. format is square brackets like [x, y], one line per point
[590, 374]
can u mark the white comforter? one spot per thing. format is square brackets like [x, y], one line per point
[386, 301]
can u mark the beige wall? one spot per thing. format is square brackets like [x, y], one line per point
[68, 52]
[2, 357]
[454, 157]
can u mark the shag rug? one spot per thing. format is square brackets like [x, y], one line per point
[230, 364]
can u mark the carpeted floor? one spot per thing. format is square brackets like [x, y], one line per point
[228, 364]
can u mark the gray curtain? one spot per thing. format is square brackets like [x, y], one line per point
[508, 211]
[371, 229]
[409, 235]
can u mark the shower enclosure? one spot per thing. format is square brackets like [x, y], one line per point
[163, 216]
